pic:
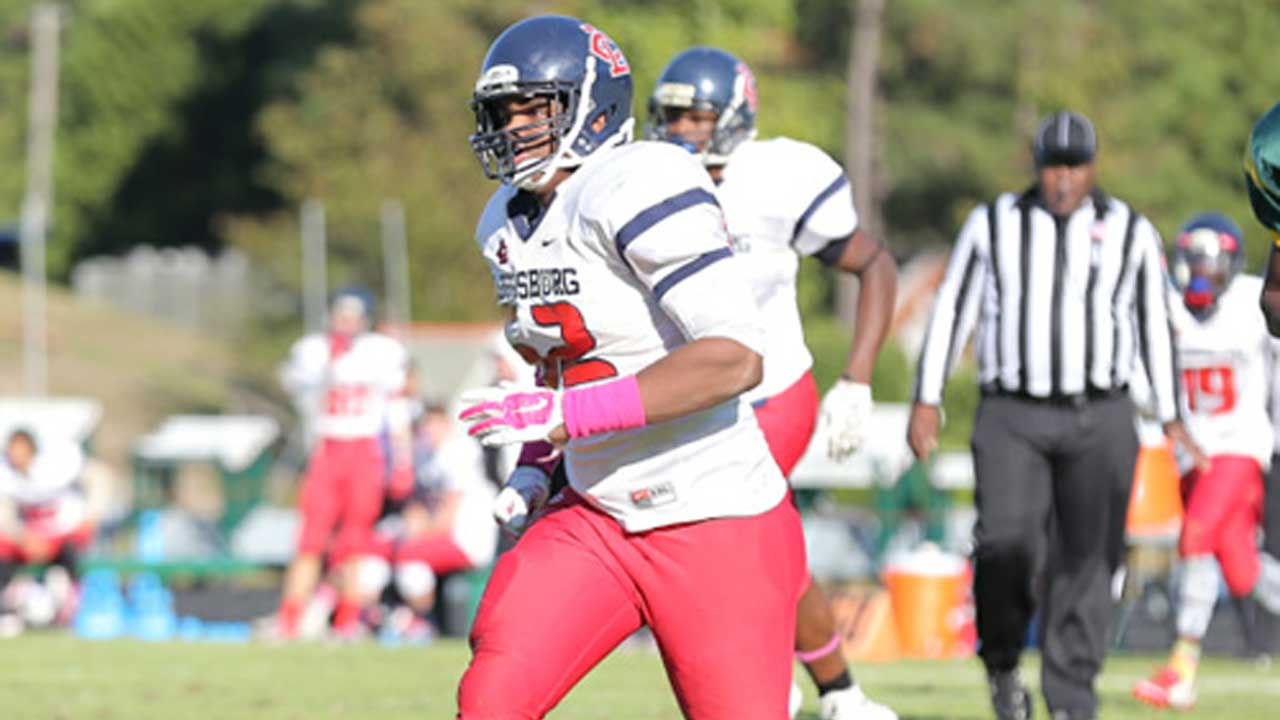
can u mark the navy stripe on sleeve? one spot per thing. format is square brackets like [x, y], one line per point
[651, 216]
[817, 202]
[688, 269]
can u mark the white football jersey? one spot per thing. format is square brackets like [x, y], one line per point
[54, 471]
[782, 199]
[354, 388]
[629, 262]
[1225, 361]
[50, 495]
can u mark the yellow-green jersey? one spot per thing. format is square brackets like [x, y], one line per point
[1262, 171]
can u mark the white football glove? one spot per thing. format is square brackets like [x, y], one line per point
[525, 492]
[509, 413]
[846, 412]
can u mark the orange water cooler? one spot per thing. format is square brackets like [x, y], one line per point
[1155, 504]
[932, 604]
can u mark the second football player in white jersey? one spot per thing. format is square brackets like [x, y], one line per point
[440, 525]
[783, 200]
[352, 374]
[613, 263]
[1226, 355]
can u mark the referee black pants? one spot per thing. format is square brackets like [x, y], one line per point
[1052, 492]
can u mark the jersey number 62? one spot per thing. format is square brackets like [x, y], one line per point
[572, 367]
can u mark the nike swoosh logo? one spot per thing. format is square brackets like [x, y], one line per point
[541, 404]
[529, 408]
[548, 242]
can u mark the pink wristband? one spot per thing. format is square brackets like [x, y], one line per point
[809, 656]
[602, 408]
[540, 454]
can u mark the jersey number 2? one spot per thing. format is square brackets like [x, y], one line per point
[1210, 390]
[572, 367]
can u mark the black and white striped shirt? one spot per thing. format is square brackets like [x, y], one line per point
[1062, 307]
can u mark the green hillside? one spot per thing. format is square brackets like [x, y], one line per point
[139, 369]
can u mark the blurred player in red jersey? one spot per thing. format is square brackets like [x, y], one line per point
[612, 260]
[1226, 355]
[354, 373]
[783, 200]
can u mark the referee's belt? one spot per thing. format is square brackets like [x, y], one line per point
[1090, 394]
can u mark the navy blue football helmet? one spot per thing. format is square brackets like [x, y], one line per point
[1207, 255]
[705, 78]
[578, 69]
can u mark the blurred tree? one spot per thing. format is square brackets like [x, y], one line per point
[964, 86]
[214, 148]
[386, 115]
[125, 67]
[209, 122]
[383, 116]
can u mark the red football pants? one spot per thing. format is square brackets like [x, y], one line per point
[788, 420]
[341, 497]
[719, 595]
[435, 549]
[1224, 506]
[76, 540]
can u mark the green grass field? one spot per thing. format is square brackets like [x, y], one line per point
[56, 677]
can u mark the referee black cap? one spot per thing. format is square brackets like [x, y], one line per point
[1065, 138]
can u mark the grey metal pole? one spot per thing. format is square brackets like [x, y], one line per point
[42, 112]
[395, 262]
[861, 148]
[313, 265]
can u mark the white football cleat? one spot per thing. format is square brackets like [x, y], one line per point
[852, 704]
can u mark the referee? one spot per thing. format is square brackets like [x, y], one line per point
[1066, 288]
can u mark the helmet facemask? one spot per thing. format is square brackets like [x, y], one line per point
[1205, 261]
[731, 129]
[662, 115]
[499, 147]
[735, 116]
[737, 122]
[565, 127]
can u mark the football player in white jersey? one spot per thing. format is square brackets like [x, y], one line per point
[612, 261]
[44, 516]
[1225, 354]
[442, 526]
[353, 373]
[784, 199]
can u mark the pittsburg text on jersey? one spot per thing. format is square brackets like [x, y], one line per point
[538, 283]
